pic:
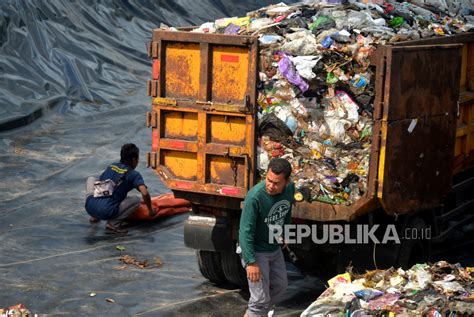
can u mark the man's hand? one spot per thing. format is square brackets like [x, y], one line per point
[152, 212]
[147, 199]
[253, 272]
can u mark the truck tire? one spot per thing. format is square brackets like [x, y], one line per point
[413, 251]
[210, 266]
[233, 270]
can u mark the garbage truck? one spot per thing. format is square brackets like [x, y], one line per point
[203, 122]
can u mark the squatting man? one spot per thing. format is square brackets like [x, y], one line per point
[106, 196]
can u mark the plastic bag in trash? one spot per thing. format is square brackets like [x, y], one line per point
[419, 277]
[288, 70]
[263, 159]
[439, 4]
[384, 302]
[208, 27]
[449, 288]
[232, 29]
[305, 64]
[300, 43]
[368, 294]
[323, 22]
[273, 127]
[269, 39]
[284, 114]
[257, 24]
[340, 278]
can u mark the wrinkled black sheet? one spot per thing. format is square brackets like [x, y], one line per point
[79, 68]
[72, 91]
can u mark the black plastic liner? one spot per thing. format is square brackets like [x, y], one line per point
[72, 91]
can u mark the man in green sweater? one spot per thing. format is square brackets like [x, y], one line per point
[267, 206]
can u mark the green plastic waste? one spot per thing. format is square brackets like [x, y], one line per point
[331, 78]
[396, 22]
[320, 20]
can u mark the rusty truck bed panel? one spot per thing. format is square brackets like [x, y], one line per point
[204, 123]
[464, 146]
[418, 126]
[203, 118]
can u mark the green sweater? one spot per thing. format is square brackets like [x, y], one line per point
[260, 211]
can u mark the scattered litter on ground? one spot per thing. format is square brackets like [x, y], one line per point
[142, 264]
[18, 310]
[440, 289]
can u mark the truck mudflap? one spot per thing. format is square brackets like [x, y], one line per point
[208, 233]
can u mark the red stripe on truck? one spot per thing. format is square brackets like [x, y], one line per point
[230, 58]
[177, 144]
[183, 185]
[229, 191]
[156, 69]
[154, 140]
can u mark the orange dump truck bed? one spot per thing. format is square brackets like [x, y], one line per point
[203, 121]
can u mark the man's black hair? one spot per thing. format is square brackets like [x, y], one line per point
[129, 152]
[279, 165]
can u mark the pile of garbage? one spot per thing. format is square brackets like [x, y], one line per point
[316, 88]
[18, 310]
[441, 289]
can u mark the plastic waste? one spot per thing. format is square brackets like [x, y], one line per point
[449, 287]
[331, 78]
[263, 159]
[335, 128]
[442, 293]
[257, 24]
[383, 302]
[305, 64]
[368, 294]
[300, 43]
[340, 278]
[273, 127]
[288, 70]
[207, 27]
[439, 4]
[232, 29]
[323, 22]
[396, 22]
[278, 9]
[342, 36]
[285, 115]
[284, 90]
[359, 81]
[362, 19]
[349, 106]
[269, 39]
[222, 23]
[327, 42]
[419, 277]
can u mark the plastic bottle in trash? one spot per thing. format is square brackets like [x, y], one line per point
[359, 81]
[327, 42]
[434, 313]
